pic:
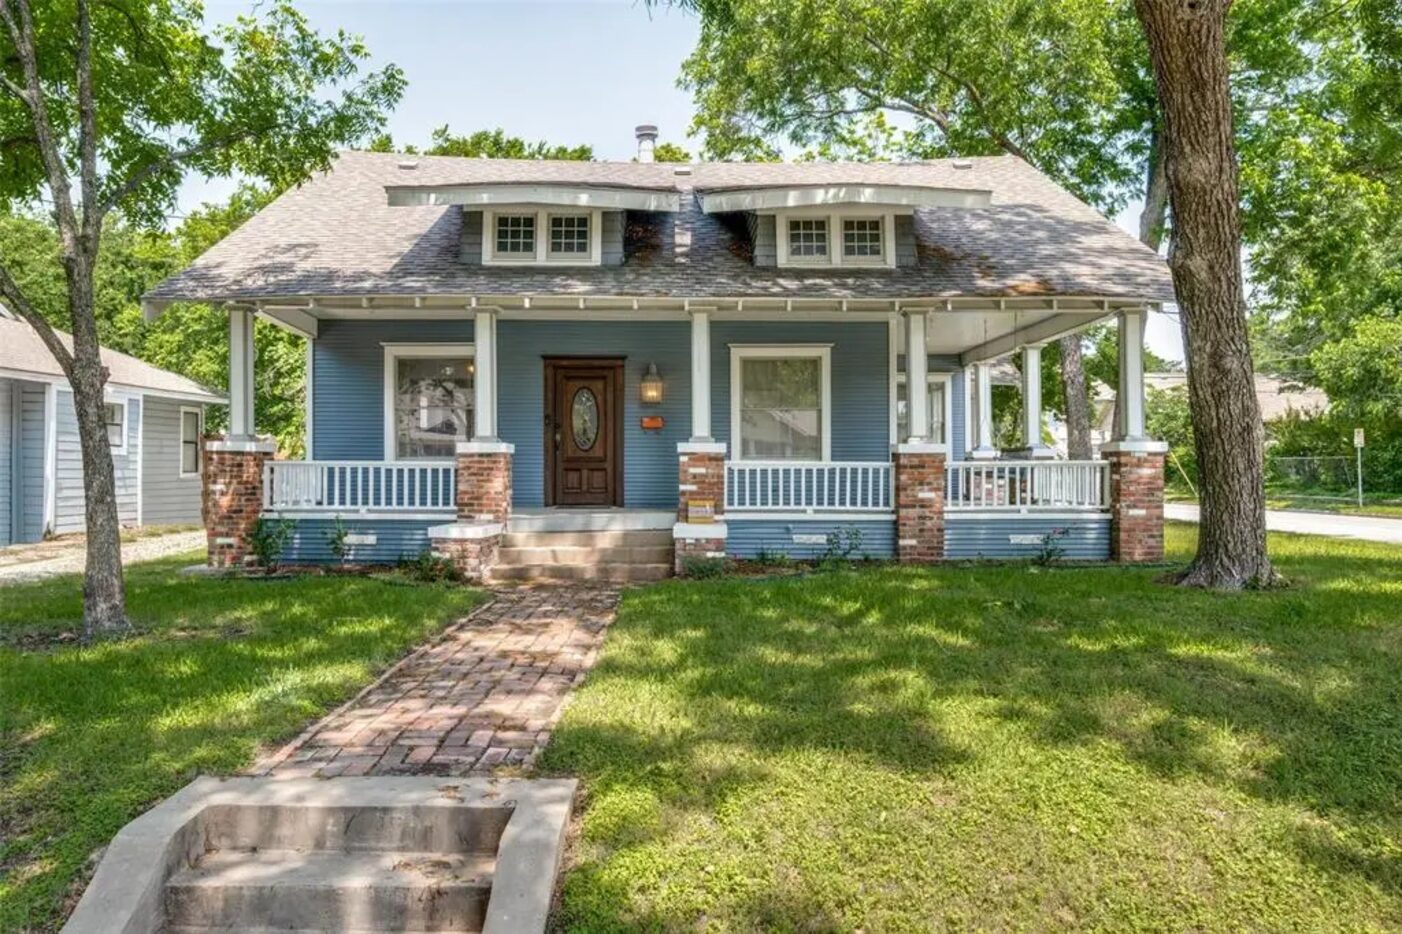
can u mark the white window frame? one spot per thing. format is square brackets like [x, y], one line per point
[543, 256]
[742, 352]
[121, 404]
[903, 378]
[835, 218]
[392, 354]
[199, 442]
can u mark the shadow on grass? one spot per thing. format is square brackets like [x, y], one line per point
[709, 691]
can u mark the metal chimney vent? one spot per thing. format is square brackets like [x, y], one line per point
[647, 139]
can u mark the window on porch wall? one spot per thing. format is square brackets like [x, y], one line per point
[432, 405]
[938, 386]
[781, 414]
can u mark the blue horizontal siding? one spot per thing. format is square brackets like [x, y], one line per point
[748, 537]
[1087, 538]
[649, 457]
[861, 429]
[395, 538]
[348, 377]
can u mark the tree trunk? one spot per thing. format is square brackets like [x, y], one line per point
[1073, 385]
[1151, 220]
[104, 599]
[1188, 51]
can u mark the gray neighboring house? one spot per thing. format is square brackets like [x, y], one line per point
[155, 422]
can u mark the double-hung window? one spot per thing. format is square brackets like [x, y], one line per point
[116, 418]
[190, 432]
[808, 239]
[428, 396]
[937, 401]
[515, 236]
[862, 240]
[781, 402]
[836, 239]
[526, 236]
[569, 235]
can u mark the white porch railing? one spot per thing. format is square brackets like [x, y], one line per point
[360, 486]
[1028, 486]
[787, 486]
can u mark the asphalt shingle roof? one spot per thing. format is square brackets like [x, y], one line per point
[337, 235]
[22, 350]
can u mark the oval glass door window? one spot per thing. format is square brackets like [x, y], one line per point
[584, 418]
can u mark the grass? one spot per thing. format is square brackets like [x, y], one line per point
[996, 748]
[90, 736]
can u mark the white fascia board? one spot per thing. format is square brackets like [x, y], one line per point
[1048, 329]
[293, 320]
[578, 196]
[773, 199]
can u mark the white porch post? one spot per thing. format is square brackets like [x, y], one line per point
[917, 393]
[1032, 404]
[241, 355]
[700, 376]
[982, 421]
[1129, 398]
[484, 382]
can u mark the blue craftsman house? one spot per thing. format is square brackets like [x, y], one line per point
[588, 369]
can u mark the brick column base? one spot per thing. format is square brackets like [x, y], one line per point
[697, 541]
[472, 547]
[233, 498]
[484, 481]
[1136, 501]
[700, 476]
[919, 481]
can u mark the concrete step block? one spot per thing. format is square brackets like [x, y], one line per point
[585, 555]
[331, 891]
[610, 539]
[616, 573]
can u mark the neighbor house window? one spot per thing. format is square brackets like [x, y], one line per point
[937, 403]
[515, 236]
[116, 416]
[569, 235]
[429, 391]
[191, 430]
[808, 239]
[861, 240]
[780, 403]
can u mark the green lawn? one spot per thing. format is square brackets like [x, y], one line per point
[996, 748]
[91, 736]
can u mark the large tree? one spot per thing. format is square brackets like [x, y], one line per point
[1188, 48]
[104, 107]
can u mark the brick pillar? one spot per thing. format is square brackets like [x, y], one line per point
[484, 481]
[919, 480]
[700, 475]
[1136, 502]
[233, 498]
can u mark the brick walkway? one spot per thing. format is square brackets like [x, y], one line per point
[486, 694]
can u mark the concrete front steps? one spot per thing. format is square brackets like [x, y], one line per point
[315, 890]
[619, 556]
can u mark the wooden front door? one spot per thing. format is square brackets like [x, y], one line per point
[584, 432]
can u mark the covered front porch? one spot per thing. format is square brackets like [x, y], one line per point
[754, 428]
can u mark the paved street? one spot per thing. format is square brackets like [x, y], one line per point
[1311, 523]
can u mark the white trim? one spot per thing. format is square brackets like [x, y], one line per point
[701, 447]
[939, 376]
[700, 531]
[49, 517]
[835, 256]
[911, 196]
[236, 446]
[357, 516]
[823, 352]
[393, 351]
[574, 196]
[827, 515]
[542, 255]
[701, 375]
[482, 447]
[968, 409]
[180, 443]
[919, 447]
[893, 363]
[242, 353]
[120, 403]
[1135, 446]
[308, 422]
[141, 461]
[983, 515]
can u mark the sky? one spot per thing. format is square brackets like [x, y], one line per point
[567, 71]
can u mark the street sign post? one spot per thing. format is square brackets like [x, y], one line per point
[1358, 451]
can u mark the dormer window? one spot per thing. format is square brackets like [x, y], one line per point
[516, 235]
[809, 237]
[530, 236]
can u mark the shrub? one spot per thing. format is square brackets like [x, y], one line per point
[429, 568]
[766, 558]
[269, 539]
[336, 540]
[1331, 435]
[702, 567]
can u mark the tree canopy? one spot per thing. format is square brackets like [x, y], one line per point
[489, 144]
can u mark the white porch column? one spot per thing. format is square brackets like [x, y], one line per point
[982, 420]
[1032, 404]
[917, 393]
[701, 376]
[241, 355]
[484, 380]
[1129, 398]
